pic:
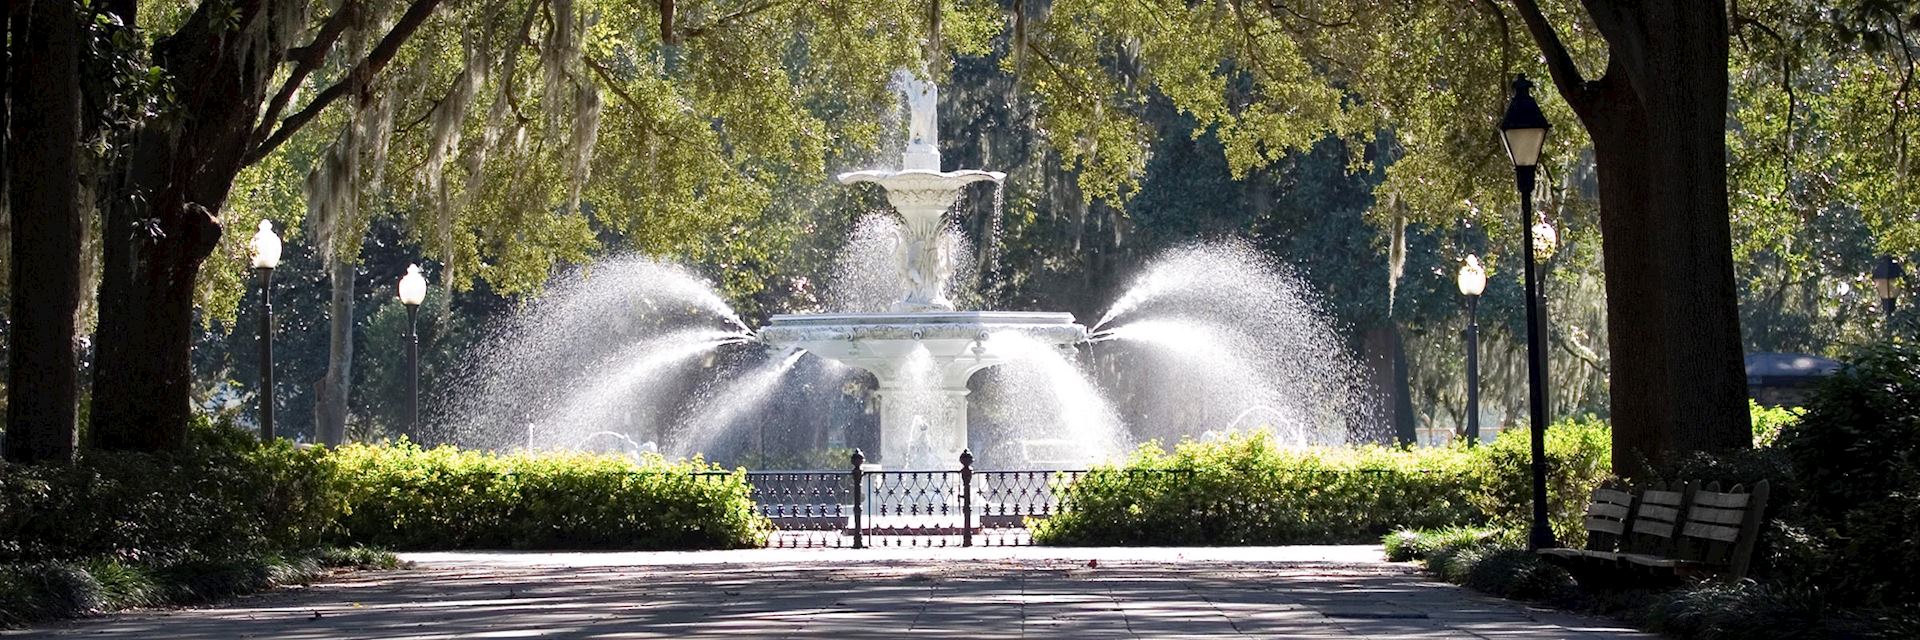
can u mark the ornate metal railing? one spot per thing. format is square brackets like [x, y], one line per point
[867, 507]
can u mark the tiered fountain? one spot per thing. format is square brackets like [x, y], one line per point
[922, 351]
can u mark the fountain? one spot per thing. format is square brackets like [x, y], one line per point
[922, 351]
[630, 354]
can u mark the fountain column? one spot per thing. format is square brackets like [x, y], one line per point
[930, 424]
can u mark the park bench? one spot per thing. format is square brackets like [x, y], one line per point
[1666, 533]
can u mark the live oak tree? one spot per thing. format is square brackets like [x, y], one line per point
[480, 121]
[41, 125]
[1647, 83]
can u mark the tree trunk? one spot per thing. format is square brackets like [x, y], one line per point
[1405, 431]
[330, 408]
[1658, 122]
[1639, 387]
[161, 222]
[44, 126]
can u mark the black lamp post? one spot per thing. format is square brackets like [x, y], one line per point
[1473, 282]
[413, 291]
[1524, 132]
[1887, 274]
[265, 249]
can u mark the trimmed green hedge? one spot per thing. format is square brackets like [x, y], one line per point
[225, 494]
[405, 497]
[1247, 490]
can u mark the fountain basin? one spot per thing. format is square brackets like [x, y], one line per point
[922, 362]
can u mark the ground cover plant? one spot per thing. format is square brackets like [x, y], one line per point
[1836, 557]
[1246, 489]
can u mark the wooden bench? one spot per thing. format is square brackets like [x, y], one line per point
[1665, 532]
[1717, 536]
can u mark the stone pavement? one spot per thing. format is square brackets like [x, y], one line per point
[1282, 592]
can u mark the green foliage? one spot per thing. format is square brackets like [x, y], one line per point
[407, 497]
[1769, 421]
[49, 590]
[1579, 457]
[1510, 572]
[1247, 490]
[1856, 459]
[1761, 611]
[224, 494]
[1421, 544]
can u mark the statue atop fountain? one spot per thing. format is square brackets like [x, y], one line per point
[921, 351]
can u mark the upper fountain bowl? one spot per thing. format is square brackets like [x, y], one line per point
[922, 179]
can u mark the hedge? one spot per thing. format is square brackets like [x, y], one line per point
[1246, 490]
[406, 497]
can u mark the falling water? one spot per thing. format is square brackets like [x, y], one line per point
[866, 276]
[577, 359]
[1210, 332]
[1049, 411]
[627, 394]
[722, 406]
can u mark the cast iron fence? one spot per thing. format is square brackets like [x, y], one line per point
[866, 507]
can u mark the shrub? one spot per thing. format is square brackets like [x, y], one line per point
[1768, 422]
[1421, 544]
[224, 494]
[1855, 459]
[1579, 458]
[48, 590]
[1517, 573]
[406, 497]
[1245, 489]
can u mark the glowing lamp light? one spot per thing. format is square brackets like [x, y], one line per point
[413, 286]
[1545, 241]
[265, 247]
[1472, 278]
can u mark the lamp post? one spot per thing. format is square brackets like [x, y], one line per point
[413, 291]
[265, 248]
[1887, 274]
[1473, 282]
[1524, 132]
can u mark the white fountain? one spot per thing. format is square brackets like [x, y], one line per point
[922, 351]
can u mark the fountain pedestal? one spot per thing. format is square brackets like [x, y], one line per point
[922, 362]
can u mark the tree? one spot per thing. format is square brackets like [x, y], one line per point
[43, 146]
[1434, 75]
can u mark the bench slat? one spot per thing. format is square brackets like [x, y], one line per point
[1717, 516]
[1656, 529]
[1615, 511]
[1658, 513]
[1666, 498]
[1604, 525]
[1722, 500]
[1711, 532]
[1614, 496]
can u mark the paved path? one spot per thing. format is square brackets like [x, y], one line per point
[1288, 592]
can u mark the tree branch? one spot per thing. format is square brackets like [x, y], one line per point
[356, 78]
[306, 59]
[1566, 75]
[741, 14]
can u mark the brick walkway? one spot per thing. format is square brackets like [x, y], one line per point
[1290, 592]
